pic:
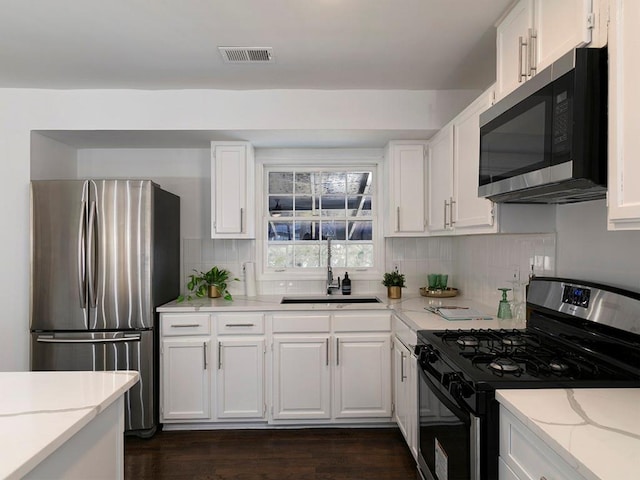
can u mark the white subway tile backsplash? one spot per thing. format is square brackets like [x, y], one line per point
[477, 265]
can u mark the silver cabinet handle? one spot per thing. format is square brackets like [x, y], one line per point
[204, 354]
[397, 219]
[219, 355]
[337, 351]
[451, 220]
[521, 44]
[445, 215]
[402, 376]
[186, 325]
[240, 325]
[242, 220]
[327, 362]
[533, 46]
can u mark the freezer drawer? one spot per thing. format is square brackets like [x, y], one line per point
[104, 351]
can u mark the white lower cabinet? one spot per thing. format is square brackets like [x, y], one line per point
[185, 378]
[331, 367]
[285, 368]
[523, 455]
[240, 378]
[301, 377]
[185, 362]
[405, 389]
[362, 386]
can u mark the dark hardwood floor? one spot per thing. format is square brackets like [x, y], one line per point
[320, 454]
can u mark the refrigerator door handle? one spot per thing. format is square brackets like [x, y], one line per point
[82, 238]
[51, 339]
[91, 264]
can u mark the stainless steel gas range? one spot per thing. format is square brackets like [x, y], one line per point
[578, 334]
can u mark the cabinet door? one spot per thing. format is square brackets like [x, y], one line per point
[407, 199]
[400, 391]
[185, 379]
[469, 210]
[561, 25]
[624, 116]
[411, 384]
[301, 377]
[362, 385]
[232, 191]
[440, 180]
[511, 35]
[240, 378]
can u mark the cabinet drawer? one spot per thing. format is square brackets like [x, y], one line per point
[173, 324]
[240, 323]
[362, 322]
[301, 323]
[527, 455]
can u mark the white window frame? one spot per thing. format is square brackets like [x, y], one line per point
[344, 159]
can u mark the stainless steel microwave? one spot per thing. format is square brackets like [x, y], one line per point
[546, 142]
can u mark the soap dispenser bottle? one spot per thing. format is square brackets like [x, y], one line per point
[346, 284]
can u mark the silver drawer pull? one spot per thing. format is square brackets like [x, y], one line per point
[240, 325]
[186, 325]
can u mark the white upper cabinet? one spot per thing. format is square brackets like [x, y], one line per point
[440, 180]
[535, 33]
[512, 38]
[624, 116]
[232, 190]
[406, 176]
[560, 26]
[453, 159]
[470, 212]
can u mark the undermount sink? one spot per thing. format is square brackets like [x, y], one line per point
[328, 299]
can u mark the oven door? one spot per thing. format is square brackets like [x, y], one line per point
[449, 435]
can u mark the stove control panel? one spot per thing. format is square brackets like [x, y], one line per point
[578, 296]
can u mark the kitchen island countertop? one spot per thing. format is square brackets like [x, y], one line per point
[595, 430]
[40, 411]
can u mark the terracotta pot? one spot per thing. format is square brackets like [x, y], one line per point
[394, 292]
[214, 292]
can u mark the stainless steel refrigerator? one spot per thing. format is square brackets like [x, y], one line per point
[104, 254]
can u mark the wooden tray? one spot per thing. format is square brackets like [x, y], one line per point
[447, 292]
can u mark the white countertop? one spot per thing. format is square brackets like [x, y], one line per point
[241, 303]
[596, 431]
[411, 308]
[39, 411]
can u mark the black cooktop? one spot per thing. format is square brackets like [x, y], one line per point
[500, 356]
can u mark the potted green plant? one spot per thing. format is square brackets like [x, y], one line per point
[394, 281]
[212, 283]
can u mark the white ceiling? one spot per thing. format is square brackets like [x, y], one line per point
[317, 44]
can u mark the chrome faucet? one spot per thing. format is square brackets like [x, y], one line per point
[331, 286]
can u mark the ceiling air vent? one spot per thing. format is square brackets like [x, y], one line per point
[247, 54]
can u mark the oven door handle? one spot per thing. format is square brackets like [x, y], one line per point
[461, 411]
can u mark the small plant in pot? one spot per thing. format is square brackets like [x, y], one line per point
[395, 282]
[212, 283]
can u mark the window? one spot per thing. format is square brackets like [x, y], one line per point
[305, 207]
